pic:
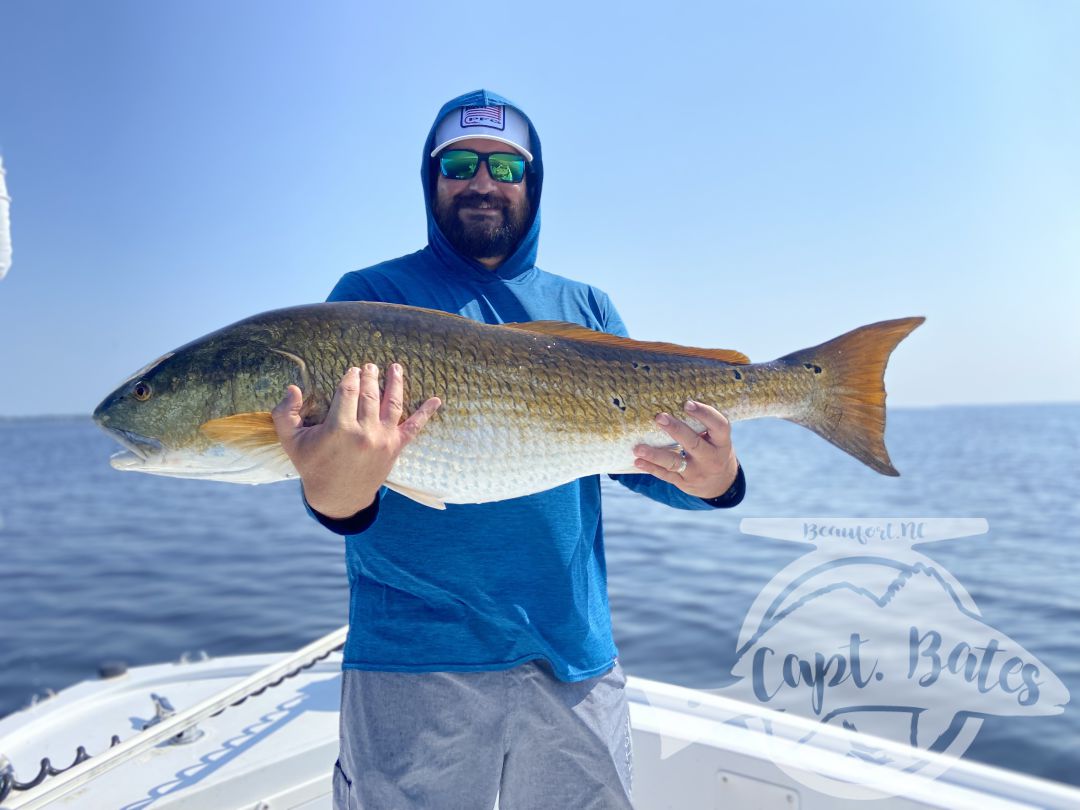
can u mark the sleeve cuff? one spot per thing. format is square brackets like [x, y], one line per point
[360, 522]
[733, 497]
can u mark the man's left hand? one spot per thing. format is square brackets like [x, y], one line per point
[711, 465]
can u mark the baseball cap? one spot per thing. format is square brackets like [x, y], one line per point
[497, 122]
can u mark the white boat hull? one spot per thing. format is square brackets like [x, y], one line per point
[277, 750]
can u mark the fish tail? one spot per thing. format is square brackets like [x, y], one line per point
[847, 406]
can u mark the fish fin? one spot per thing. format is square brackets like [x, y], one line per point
[244, 431]
[253, 435]
[573, 331]
[425, 498]
[631, 469]
[850, 370]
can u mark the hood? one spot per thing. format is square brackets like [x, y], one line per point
[524, 256]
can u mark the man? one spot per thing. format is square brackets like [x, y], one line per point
[479, 658]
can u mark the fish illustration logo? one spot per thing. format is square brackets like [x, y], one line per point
[865, 632]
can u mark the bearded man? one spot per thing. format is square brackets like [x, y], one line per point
[480, 660]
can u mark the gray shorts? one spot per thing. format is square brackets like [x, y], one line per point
[455, 740]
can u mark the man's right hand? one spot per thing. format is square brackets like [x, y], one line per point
[343, 461]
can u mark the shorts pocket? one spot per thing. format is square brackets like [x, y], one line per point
[616, 674]
[342, 791]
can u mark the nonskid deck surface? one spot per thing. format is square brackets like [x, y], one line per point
[277, 749]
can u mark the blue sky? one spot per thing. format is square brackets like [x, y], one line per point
[753, 176]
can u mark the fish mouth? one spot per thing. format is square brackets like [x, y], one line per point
[142, 447]
[216, 463]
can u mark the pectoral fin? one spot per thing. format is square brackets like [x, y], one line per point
[244, 430]
[253, 435]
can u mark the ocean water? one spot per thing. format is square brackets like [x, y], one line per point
[98, 565]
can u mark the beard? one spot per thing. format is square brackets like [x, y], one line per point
[478, 238]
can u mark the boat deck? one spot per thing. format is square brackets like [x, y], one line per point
[277, 750]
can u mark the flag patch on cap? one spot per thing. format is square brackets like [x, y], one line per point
[490, 117]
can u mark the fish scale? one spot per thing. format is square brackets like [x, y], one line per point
[525, 406]
[495, 437]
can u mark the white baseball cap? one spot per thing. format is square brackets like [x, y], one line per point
[496, 123]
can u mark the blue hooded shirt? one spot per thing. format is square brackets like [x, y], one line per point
[485, 586]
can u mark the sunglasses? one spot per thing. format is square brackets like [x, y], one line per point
[461, 164]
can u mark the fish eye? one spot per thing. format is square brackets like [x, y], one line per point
[142, 391]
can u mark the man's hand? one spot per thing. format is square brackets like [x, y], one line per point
[343, 461]
[711, 465]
